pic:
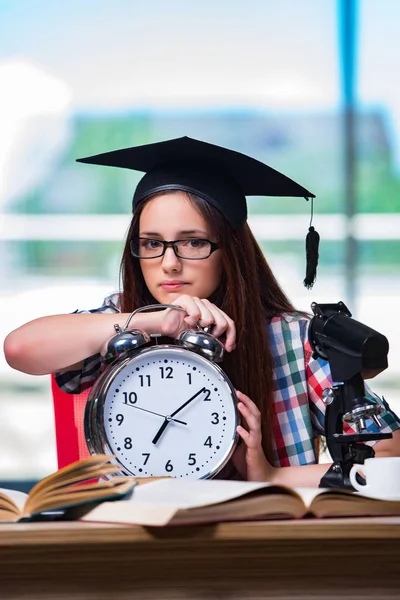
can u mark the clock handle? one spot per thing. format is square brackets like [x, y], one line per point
[127, 340]
[147, 308]
[200, 340]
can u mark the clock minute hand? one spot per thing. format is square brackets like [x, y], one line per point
[155, 413]
[187, 402]
[169, 417]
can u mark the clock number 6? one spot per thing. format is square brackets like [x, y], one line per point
[169, 467]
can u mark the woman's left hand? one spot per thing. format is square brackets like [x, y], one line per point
[249, 458]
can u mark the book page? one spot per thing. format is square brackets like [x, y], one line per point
[184, 493]
[75, 495]
[336, 502]
[199, 501]
[17, 497]
[309, 494]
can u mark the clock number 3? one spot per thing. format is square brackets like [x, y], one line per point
[215, 420]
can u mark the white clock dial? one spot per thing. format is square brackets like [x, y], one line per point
[169, 411]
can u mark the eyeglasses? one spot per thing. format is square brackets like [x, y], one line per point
[191, 248]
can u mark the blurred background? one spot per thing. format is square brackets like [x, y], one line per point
[308, 87]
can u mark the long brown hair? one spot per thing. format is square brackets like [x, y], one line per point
[248, 293]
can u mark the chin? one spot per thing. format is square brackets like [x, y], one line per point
[167, 297]
[171, 296]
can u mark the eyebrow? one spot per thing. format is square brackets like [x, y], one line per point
[184, 232]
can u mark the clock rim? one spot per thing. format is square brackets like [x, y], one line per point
[94, 426]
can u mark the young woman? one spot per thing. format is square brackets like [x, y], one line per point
[189, 247]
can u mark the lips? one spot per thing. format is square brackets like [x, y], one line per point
[172, 284]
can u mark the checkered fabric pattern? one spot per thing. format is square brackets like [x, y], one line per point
[299, 380]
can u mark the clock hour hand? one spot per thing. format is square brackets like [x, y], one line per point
[169, 418]
[160, 431]
[156, 413]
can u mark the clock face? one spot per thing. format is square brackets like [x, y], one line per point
[170, 412]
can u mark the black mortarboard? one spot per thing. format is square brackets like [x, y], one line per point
[221, 176]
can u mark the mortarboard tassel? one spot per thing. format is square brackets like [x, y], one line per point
[312, 244]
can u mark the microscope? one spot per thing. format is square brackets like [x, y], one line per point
[355, 352]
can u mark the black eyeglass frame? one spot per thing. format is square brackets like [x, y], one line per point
[171, 244]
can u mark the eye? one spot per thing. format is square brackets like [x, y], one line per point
[196, 243]
[149, 244]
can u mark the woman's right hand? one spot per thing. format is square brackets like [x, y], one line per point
[199, 312]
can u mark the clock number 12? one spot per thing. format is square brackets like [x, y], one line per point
[166, 372]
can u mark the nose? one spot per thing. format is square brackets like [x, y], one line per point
[170, 262]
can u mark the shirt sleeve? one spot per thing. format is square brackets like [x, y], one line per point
[78, 380]
[319, 377]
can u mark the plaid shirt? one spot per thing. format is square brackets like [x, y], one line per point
[299, 380]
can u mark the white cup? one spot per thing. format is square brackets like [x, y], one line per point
[382, 477]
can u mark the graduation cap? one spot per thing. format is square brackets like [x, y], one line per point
[221, 176]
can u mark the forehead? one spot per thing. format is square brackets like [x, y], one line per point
[172, 211]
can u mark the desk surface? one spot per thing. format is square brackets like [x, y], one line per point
[75, 532]
[350, 558]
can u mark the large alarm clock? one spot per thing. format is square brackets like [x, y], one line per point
[164, 409]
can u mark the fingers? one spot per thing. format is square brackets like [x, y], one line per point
[257, 466]
[222, 324]
[203, 314]
[200, 312]
[251, 433]
[172, 322]
[175, 321]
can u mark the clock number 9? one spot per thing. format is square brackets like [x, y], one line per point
[130, 398]
[119, 418]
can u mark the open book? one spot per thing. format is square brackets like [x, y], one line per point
[184, 502]
[75, 484]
